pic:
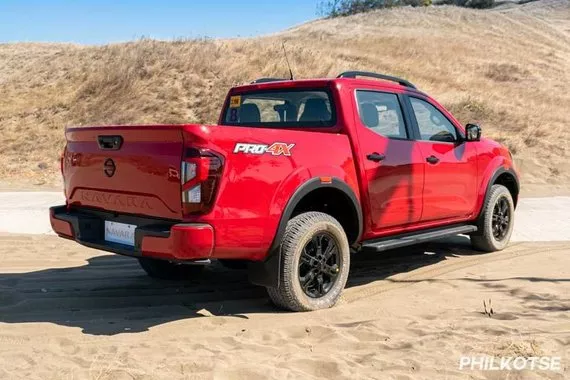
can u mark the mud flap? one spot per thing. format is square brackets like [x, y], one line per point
[266, 272]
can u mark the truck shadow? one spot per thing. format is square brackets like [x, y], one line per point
[112, 295]
[368, 267]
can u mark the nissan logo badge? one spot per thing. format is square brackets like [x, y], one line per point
[109, 167]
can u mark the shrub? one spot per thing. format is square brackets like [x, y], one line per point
[338, 8]
[479, 4]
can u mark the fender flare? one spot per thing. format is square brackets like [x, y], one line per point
[498, 172]
[266, 272]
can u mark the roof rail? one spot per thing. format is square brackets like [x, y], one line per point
[265, 80]
[354, 74]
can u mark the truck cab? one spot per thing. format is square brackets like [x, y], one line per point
[296, 175]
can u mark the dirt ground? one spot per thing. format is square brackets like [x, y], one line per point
[68, 312]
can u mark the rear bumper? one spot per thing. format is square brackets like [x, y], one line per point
[156, 238]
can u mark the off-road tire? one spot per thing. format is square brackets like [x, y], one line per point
[483, 239]
[298, 233]
[166, 270]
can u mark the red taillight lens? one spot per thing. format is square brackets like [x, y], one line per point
[201, 171]
[61, 165]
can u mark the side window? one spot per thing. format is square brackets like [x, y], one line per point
[433, 125]
[381, 112]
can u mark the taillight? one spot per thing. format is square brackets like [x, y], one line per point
[61, 158]
[61, 164]
[200, 171]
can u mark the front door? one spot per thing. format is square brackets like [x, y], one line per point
[450, 184]
[393, 164]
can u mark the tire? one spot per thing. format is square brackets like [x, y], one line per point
[324, 278]
[166, 270]
[492, 237]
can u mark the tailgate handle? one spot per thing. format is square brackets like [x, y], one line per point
[110, 142]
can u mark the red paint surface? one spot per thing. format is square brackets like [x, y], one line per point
[185, 243]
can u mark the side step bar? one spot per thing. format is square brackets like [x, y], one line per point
[411, 238]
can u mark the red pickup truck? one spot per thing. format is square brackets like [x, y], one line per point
[296, 176]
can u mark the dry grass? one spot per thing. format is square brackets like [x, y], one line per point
[518, 347]
[506, 69]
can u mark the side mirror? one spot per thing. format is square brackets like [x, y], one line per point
[472, 132]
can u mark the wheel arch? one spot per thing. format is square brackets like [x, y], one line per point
[266, 273]
[506, 177]
[308, 191]
[510, 181]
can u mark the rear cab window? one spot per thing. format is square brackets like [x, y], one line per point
[290, 108]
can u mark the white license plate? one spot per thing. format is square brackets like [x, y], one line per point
[120, 233]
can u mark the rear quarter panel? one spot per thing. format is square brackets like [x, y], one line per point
[255, 188]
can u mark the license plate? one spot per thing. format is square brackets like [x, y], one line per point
[120, 233]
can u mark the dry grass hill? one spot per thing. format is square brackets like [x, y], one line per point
[507, 69]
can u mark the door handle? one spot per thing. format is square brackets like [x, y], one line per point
[376, 157]
[432, 159]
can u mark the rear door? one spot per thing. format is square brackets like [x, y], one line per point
[392, 161]
[134, 169]
[450, 186]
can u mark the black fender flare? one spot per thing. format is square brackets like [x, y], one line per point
[500, 171]
[266, 272]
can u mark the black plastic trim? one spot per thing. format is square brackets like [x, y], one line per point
[501, 170]
[267, 80]
[266, 272]
[404, 105]
[416, 237]
[88, 228]
[492, 180]
[354, 74]
[306, 188]
[110, 142]
[409, 111]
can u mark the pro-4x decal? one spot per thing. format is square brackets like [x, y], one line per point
[275, 149]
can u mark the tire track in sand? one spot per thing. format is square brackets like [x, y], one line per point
[433, 271]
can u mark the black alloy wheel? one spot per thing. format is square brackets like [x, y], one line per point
[501, 218]
[315, 263]
[319, 265]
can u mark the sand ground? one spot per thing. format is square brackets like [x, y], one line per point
[68, 312]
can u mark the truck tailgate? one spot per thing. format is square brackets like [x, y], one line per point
[133, 169]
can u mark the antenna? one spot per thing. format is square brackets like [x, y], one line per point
[287, 60]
